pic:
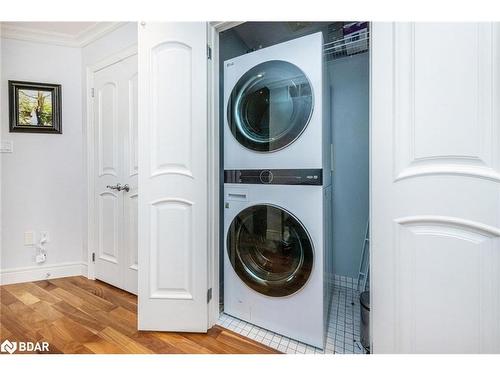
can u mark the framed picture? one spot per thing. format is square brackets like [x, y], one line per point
[34, 107]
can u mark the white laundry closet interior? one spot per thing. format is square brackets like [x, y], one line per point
[294, 184]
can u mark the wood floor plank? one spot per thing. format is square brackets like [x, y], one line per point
[73, 330]
[20, 331]
[62, 340]
[81, 316]
[212, 344]
[68, 297]
[25, 315]
[118, 323]
[241, 342]
[108, 293]
[149, 340]
[185, 345]
[44, 284]
[78, 316]
[88, 298]
[126, 343]
[41, 294]
[21, 293]
[6, 298]
[4, 332]
[46, 310]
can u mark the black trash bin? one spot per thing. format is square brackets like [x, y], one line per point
[364, 300]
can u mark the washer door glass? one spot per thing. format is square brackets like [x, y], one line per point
[270, 106]
[270, 250]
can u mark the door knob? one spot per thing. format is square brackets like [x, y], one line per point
[119, 187]
[115, 187]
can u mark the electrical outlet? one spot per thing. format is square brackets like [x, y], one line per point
[40, 258]
[44, 235]
[29, 238]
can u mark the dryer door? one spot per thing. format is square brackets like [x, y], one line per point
[270, 106]
[270, 250]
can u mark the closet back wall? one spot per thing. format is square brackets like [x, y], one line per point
[349, 79]
[42, 182]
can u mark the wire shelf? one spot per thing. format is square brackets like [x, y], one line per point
[349, 45]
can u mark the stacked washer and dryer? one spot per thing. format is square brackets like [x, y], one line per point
[277, 189]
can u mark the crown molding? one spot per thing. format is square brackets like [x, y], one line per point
[85, 37]
[97, 31]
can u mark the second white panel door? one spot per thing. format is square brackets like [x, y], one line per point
[116, 171]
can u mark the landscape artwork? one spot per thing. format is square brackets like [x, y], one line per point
[35, 107]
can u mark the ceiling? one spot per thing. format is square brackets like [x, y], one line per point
[73, 34]
[262, 34]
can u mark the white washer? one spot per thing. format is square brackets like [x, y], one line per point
[273, 107]
[275, 238]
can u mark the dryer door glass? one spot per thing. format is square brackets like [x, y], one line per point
[270, 106]
[270, 250]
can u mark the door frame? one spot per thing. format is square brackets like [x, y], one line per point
[89, 139]
[214, 28]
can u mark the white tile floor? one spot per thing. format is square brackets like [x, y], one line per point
[343, 326]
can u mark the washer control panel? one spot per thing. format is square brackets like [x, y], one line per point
[274, 176]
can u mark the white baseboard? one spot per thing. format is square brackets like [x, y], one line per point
[42, 272]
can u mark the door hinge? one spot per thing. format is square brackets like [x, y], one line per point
[332, 157]
[209, 295]
[93, 257]
[92, 92]
[209, 52]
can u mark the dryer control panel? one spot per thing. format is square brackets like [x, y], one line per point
[274, 176]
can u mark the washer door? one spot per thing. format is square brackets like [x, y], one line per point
[270, 250]
[270, 106]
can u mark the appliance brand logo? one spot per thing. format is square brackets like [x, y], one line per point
[229, 64]
[23, 346]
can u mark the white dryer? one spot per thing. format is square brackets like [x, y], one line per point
[274, 113]
[275, 238]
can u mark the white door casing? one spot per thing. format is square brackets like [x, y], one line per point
[115, 140]
[173, 154]
[435, 188]
[130, 175]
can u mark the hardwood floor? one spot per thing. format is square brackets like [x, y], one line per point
[77, 315]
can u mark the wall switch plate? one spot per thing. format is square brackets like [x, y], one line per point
[29, 238]
[6, 146]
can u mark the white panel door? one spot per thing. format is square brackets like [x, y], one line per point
[435, 194]
[115, 124]
[173, 238]
[108, 169]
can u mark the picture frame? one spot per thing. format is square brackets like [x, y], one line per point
[35, 107]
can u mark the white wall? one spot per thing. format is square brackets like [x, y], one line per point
[42, 184]
[112, 43]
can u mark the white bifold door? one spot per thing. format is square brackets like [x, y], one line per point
[173, 163]
[116, 173]
[435, 188]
